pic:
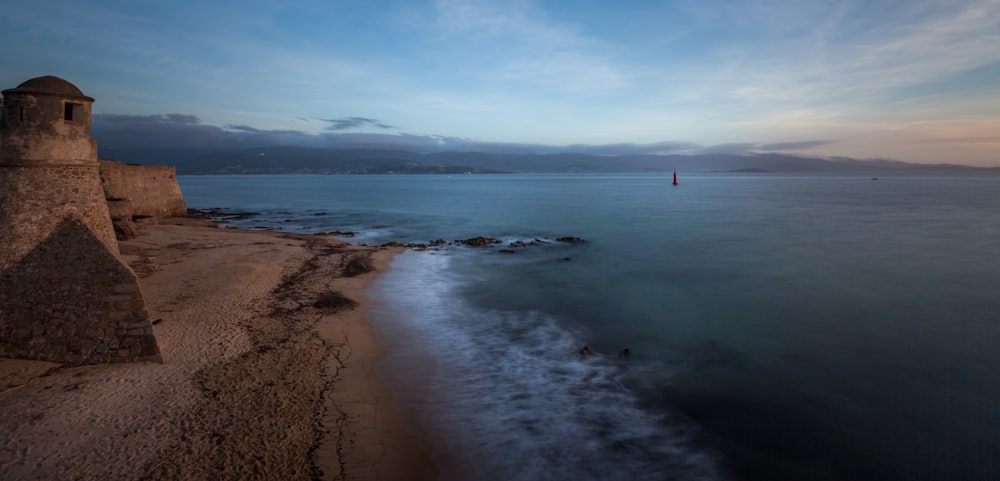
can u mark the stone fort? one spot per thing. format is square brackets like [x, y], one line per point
[66, 295]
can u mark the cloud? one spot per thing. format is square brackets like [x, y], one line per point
[180, 131]
[800, 145]
[746, 148]
[981, 139]
[177, 131]
[354, 123]
[845, 62]
[655, 148]
[934, 41]
[139, 131]
[115, 133]
[182, 118]
[517, 20]
[244, 128]
[410, 142]
[522, 43]
[735, 148]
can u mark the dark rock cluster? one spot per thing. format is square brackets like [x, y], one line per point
[483, 241]
[220, 215]
[479, 241]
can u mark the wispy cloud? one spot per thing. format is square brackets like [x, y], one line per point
[653, 148]
[517, 20]
[526, 47]
[846, 58]
[355, 123]
[800, 145]
[735, 148]
[745, 148]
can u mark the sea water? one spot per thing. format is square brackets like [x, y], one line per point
[836, 327]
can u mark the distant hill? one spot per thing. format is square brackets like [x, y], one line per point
[297, 160]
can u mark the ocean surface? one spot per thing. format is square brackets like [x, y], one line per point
[781, 327]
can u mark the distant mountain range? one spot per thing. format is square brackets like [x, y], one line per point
[295, 160]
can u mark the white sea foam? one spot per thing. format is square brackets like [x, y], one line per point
[505, 395]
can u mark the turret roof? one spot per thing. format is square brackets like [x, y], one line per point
[49, 85]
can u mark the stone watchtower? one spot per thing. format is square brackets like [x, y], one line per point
[65, 294]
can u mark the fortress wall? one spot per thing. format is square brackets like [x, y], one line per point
[65, 293]
[139, 191]
[28, 212]
[71, 300]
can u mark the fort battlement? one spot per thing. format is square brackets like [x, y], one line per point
[140, 194]
[65, 293]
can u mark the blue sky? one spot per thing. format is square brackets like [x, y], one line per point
[911, 80]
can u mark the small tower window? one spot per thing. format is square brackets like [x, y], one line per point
[73, 112]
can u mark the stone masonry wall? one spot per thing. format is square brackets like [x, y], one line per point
[65, 294]
[141, 191]
[71, 300]
[34, 199]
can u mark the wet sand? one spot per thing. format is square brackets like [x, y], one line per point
[268, 372]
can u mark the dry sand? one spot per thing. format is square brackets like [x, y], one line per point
[268, 373]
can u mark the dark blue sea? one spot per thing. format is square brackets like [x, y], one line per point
[781, 327]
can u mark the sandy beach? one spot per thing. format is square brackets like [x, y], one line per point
[268, 372]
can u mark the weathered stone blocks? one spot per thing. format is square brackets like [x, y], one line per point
[141, 190]
[65, 294]
[103, 314]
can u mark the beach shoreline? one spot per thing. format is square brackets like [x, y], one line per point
[268, 372]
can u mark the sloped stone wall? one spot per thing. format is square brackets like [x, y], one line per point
[71, 300]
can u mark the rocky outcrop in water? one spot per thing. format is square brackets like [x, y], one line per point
[479, 241]
[487, 242]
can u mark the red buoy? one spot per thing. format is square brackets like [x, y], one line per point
[675, 176]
